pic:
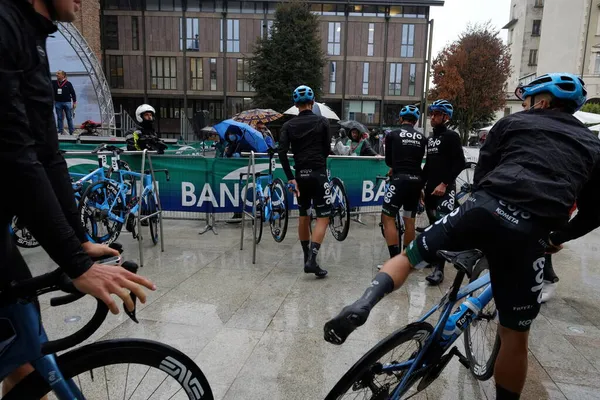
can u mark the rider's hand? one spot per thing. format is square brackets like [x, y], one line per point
[97, 250]
[440, 190]
[101, 281]
[295, 189]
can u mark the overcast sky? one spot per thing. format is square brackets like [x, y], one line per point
[453, 17]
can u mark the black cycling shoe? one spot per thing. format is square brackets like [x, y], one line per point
[436, 277]
[310, 268]
[337, 330]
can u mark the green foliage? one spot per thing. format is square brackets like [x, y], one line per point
[471, 73]
[292, 56]
[591, 108]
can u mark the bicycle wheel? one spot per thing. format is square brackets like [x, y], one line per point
[124, 369]
[278, 220]
[339, 221]
[367, 379]
[149, 207]
[464, 183]
[259, 217]
[94, 205]
[399, 228]
[23, 238]
[482, 341]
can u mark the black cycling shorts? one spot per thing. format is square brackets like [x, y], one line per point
[442, 205]
[404, 191]
[513, 243]
[315, 191]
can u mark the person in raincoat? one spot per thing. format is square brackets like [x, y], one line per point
[359, 144]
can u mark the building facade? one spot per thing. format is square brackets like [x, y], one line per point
[553, 36]
[184, 58]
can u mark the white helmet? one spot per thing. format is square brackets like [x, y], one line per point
[144, 108]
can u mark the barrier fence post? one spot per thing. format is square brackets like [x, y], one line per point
[243, 205]
[158, 203]
[210, 214]
[139, 216]
[254, 206]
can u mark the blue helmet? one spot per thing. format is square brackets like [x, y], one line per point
[443, 106]
[409, 112]
[303, 94]
[561, 86]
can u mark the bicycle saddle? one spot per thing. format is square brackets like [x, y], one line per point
[462, 260]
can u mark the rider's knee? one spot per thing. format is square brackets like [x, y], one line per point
[513, 338]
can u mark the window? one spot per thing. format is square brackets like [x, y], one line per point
[408, 41]
[241, 75]
[197, 81]
[506, 111]
[129, 5]
[408, 12]
[412, 78]
[163, 5]
[537, 24]
[539, 3]
[163, 73]
[533, 57]
[268, 24]
[597, 64]
[371, 37]
[332, 72]
[365, 85]
[395, 84]
[233, 36]
[190, 34]
[244, 7]
[366, 112]
[135, 33]
[332, 9]
[111, 32]
[213, 74]
[115, 72]
[334, 38]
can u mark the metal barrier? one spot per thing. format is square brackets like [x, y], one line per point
[145, 154]
[251, 171]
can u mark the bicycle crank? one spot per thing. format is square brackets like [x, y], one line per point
[435, 370]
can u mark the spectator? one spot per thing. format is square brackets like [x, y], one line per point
[267, 135]
[359, 145]
[65, 100]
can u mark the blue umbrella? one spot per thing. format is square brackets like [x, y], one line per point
[247, 134]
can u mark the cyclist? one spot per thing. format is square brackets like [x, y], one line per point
[40, 192]
[309, 137]
[405, 148]
[144, 136]
[445, 160]
[530, 170]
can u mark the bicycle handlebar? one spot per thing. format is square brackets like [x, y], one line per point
[55, 281]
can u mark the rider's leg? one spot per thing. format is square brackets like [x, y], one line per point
[510, 370]
[304, 234]
[15, 377]
[311, 266]
[391, 234]
[409, 230]
[550, 279]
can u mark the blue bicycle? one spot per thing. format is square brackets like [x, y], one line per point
[418, 353]
[111, 369]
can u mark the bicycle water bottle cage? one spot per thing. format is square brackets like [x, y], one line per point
[462, 260]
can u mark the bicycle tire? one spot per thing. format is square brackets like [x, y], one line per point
[121, 351]
[21, 235]
[344, 214]
[258, 218]
[153, 222]
[400, 231]
[102, 188]
[282, 211]
[480, 371]
[418, 330]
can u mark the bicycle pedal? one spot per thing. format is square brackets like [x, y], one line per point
[461, 358]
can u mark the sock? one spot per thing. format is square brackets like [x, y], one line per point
[381, 285]
[394, 250]
[305, 244]
[314, 251]
[503, 394]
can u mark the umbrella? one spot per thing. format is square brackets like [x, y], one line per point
[594, 128]
[252, 117]
[587, 118]
[349, 125]
[319, 109]
[247, 134]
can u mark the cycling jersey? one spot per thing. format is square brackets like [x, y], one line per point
[404, 150]
[37, 186]
[445, 158]
[542, 160]
[309, 137]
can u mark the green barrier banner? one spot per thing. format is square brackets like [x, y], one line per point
[200, 184]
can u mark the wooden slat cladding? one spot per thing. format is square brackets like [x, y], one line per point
[358, 38]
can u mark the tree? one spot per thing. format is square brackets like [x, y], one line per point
[290, 57]
[591, 108]
[471, 73]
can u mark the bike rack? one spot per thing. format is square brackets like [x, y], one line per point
[145, 154]
[251, 171]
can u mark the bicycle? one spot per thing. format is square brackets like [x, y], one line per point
[340, 208]
[113, 202]
[23, 340]
[433, 349]
[271, 202]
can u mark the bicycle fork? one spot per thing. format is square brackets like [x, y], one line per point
[64, 389]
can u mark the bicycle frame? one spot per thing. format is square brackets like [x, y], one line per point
[446, 305]
[259, 190]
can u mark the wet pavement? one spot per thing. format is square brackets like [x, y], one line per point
[256, 329]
